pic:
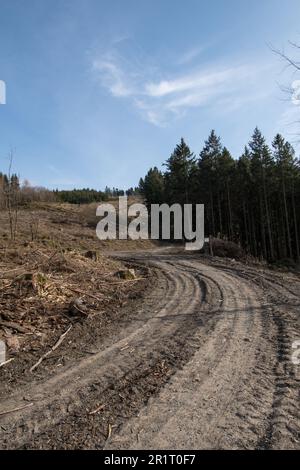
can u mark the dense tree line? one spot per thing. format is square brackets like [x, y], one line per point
[80, 196]
[253, 200]
[133, 191]
[86, 195]
[12, 191]
[116, 192]
[113, 192]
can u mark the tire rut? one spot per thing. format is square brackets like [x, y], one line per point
[160, 338]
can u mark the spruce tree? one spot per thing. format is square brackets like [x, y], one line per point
[179, 168]
[209, 156]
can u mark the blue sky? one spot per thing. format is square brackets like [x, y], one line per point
[98, 91]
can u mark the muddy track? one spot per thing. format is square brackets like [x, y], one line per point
[205, 364]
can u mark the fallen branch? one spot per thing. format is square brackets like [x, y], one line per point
[100, 408]
[14, 326]
[6, 362]
[51, 350]
[15, 409]
[109, 431]
[78, 291]
[127, 280]
[112, 273]
[2, 274]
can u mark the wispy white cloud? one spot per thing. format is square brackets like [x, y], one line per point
[159, 101]
[112, 77]
[197, 88]
[194, 81]
[190, 55]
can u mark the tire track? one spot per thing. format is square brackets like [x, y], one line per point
[150, 342]
[282, 327]
[196, 410]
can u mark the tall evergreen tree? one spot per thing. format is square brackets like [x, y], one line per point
[152, 187]
[261, 163]
[209, 156]
[179, 168]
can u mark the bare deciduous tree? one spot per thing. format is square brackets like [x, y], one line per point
[293, 63]
[290, 62]
[11, 196]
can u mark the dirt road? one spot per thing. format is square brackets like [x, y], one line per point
[203, 361]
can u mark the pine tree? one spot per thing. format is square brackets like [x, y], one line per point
[179, 168]
[225, 167]
[243, 195]
[261, 163]
[152, 187]
[209, 156]
[284, 161]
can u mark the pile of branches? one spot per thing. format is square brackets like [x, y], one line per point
[42, 292]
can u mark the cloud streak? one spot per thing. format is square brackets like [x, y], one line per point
[112, 77]
[190, 55]
[160, 101]
[196, 81]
